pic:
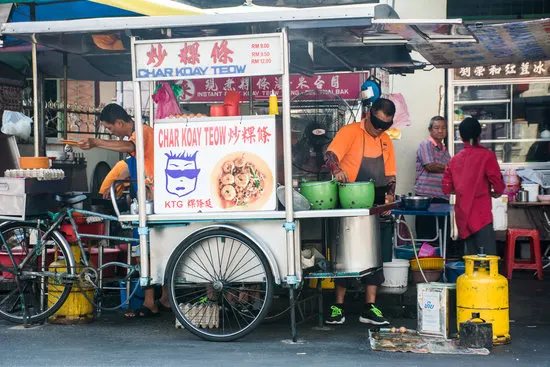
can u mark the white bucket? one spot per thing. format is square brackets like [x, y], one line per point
[532, 189]
[396, 273]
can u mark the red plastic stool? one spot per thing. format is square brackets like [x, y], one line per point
[535, 263]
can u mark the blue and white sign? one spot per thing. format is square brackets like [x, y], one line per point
[232, 56]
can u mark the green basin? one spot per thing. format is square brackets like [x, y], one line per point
[356, 195]
[321, 195]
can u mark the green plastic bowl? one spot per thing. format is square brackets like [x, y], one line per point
[356, 195]
[321, 195]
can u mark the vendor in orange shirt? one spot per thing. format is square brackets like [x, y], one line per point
[117, 121]
[361, 151]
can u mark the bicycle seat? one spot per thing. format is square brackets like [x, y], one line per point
[70, 199]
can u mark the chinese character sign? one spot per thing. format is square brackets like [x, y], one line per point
[523, 69]
[225, 164]
[230, 56]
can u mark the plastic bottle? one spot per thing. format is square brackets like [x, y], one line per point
[273, 104]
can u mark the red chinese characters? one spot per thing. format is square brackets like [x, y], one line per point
[199, 203]
[263, 135]
[221, 53]
[156, 55]
[234, 134]
[249, 135]
[189, 54]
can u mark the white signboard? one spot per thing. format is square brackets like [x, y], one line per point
[215, 164]
[209, 57]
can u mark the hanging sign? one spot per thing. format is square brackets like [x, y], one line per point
[345, 85]
[525, 69]
[215, 164]
[209, 57]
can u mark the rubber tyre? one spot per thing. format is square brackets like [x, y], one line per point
[187, 245]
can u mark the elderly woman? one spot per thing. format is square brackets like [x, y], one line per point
[432, 158]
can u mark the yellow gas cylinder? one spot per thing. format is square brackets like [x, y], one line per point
[482, 289]
[76, 309]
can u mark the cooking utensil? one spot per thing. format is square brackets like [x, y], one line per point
[321, 194]
[299, 202]
[416, 202]
[522, 196]
[68, 142]
[356, 195]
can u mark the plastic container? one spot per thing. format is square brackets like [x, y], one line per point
[454, 270]
[231, 110]
[428, 263]
[217, 110]
[273, 104]
[532, 189]
[406, 252]
[431, 276]
[396, 273]
[137, 299]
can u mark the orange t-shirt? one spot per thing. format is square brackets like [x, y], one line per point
[114, 174]
[149, 150]
[348, 147]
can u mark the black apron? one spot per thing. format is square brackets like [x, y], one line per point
[373, 169]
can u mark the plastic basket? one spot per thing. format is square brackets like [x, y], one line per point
[406, 252]
[428, 263]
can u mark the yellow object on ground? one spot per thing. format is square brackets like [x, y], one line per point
[153, 7]
[482, 289]
[77, 309]
[326, 283]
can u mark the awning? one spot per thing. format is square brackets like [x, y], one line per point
[326, 39]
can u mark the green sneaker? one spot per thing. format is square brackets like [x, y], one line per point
[336, 315]
[373, 316]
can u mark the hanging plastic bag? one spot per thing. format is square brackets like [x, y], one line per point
[17, 124]
[167, 105]
[402, 117]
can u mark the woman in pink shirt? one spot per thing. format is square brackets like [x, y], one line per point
[474, 176]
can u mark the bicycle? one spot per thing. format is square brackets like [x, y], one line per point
[40, 268]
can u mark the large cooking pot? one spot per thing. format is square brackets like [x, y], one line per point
[356, 195]
[416, 202]
[320, 194]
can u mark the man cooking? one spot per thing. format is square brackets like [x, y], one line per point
[361, 152]
[117, 121]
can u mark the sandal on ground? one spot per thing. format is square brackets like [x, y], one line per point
[141, 313]
[162, 307]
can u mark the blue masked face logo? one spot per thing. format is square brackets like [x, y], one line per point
[181, 173]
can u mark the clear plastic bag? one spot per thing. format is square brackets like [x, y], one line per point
[17, 124]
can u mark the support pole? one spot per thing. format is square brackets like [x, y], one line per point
[140, 162]
[35, 100]
[65, 95]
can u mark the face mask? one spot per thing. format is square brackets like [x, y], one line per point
[379, 124]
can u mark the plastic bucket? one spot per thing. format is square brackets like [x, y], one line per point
[532, 189]
[454, 270]
[137, 299]
[396, 273]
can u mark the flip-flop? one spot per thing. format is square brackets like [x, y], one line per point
[142, 313]
[162, 307]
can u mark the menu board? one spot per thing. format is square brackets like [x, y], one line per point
[215, 164]
[209, 57]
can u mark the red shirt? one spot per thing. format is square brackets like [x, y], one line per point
[470, 175]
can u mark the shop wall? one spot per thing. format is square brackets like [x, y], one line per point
[421, 92]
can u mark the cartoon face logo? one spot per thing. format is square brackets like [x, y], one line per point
[181, 173]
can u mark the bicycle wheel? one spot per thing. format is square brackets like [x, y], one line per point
[220, 284]
[32, 292]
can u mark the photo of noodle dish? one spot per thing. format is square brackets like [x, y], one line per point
[242, 181]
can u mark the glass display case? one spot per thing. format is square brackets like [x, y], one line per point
[514, 115]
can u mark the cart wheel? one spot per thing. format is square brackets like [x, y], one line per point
[29, 294]
[220, 284]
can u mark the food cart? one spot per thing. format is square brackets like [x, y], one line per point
[217, 238]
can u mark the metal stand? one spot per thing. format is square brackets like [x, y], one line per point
[293, 315]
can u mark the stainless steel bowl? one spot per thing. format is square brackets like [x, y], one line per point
[416, 202]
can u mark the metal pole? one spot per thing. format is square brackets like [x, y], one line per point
[65, 93]
[140, 162]
[35, 99]
[41, 119]
[287, 161]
